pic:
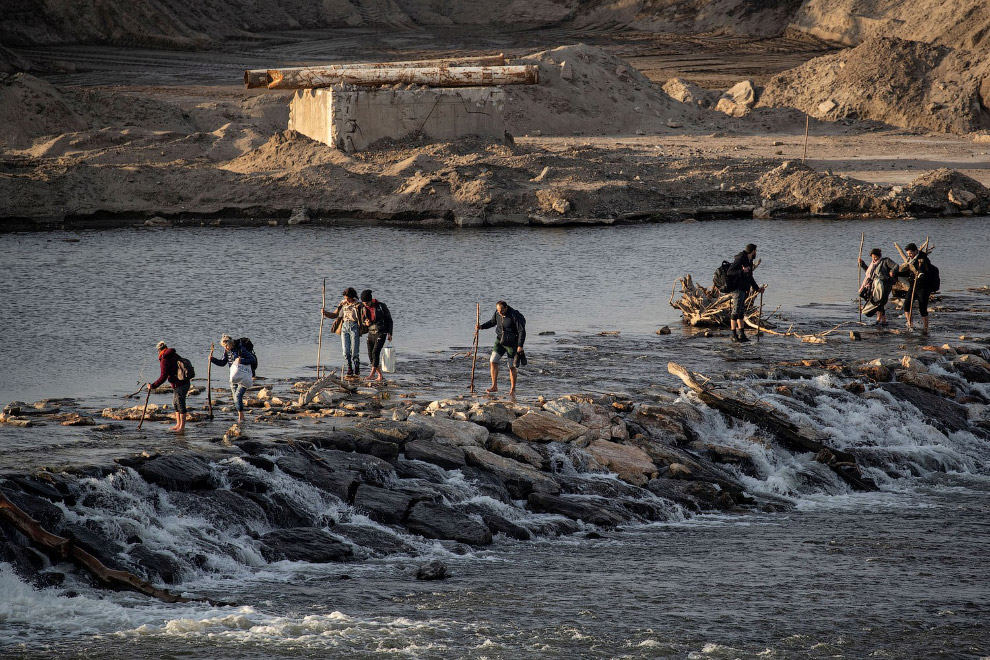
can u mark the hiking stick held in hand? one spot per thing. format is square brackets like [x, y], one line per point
[759, 327]
[319, 345]
[145, 411]
[209, 382]
[859, 273]
[474, 360]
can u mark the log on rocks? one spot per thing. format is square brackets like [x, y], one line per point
[323, 383]
[60, 548]
[438, 76]
[791, 436]
[254, 78]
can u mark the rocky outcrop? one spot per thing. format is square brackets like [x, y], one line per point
[436, 521]
[305, 544]
[542, 427]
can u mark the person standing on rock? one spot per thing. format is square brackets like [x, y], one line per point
[920, 287]
[741, 279]
[169, 361]
[510, 334]
[378, 320]
[880, 276]
[349, 324]
[242, 363]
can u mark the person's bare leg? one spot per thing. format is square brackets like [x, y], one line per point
[924, 323]
[494, 370]
[512, 381]
[240, 416]
[180, 422]
[175, 427]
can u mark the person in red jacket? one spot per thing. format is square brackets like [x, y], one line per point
[169, 360]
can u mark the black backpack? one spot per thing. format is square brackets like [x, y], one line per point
[932, 278]
[184, 370]
[721, 279]
[246, 343]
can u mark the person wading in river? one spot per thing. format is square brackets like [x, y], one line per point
[379, 322]
[349, 324]
[741, 280]
[169, 361]
[510, 334]
[242, 364]
[920, 285]
[880, 276]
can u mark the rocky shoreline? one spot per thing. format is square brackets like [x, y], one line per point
[331, 473]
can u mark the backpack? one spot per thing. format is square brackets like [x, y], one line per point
[247, 344]
[184, 369]
[932, 278]
[721, 279]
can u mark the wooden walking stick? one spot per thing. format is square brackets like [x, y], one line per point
[145, 411]
[859, 274]
[474, 360]
[209, 381]
[319, 346]
[759, 326]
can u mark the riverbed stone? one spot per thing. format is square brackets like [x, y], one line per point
[380, 504]
[520, 479]
[157, 564]
[943, 413]
[38, 508]
[335, 479]
[375, 540]
[564, 408]
[399, 432]
[493, 416]
[372, 469]
[544, 427]
[448, 457]
[431, 571]
[587, 509]
[307, 544]
[926, 381]
[504, 445]
[454, 432]
[182, 472]
[630, 463]
[437, 521]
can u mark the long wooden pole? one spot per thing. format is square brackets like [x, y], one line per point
[462, 76]
[474, 360]
[143, 412]
[859, 273]
[254, 78]
[319, 345]
[209, 381]
[760, 319]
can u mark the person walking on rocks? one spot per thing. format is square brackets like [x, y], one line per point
[242, 363]
[378, 320]
[510, 335]
[922, 284]
[169, 361]
[880, 276]
[349, 324]
[741, 280]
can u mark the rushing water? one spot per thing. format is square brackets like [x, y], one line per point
[895, 574]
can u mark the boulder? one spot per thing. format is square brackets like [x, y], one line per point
[684, 92]
[340, 482]
[377, 541]
[434, 570]
[738, 99]
[877, 373]
[157, 565]
[942, 413]
[963, 199]
[180, 472]
[436, 521]
[362, 441]
[380, 504]
[971, 371]
[520, 479]
[543, 427]
[454, 432]
[446, 456]
[504, 445]
[280, 510]
[591, 510]
[913, 364]
[485, 482]
[38, 508]
[631, 464]
[493, 416]
[926, 382]
[372, 469]
[307, 544]
[564, 408]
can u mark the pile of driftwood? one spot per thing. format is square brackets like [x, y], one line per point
[709, 307]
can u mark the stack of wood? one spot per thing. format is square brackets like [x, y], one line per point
[459, 72]
[709, 307]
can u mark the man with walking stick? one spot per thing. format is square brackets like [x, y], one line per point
[741, 279]
[510, 334]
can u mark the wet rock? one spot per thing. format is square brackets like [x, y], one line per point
[550, 528]
[381, 505]
[666, 423]
[446, 456]
[926, 381]
[498, 524]
[436, 521]
[100, 546]
[38, 508]
[944, 414]
[564, 408]
[913, 364]
[587, 509]
[730, 456]
[974, 373]
[74, 419]
[629, 463]
[406, 469]
[307, 544]
[339, 481]
[156, 564]
[180, 472]
[362, 441]
[372, 469]
[854, 388]
[493, 416]
[543, 427]
[486, 482]
[877, 373]
[454, 432]
[665, 330]
[281, 511]
[679, 471]
[504, 445]
[377, 541]
[434, 570]
[520, 479]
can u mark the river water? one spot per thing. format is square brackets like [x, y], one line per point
[895, 574]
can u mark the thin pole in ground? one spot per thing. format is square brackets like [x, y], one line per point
[474, 360]
[145, 410]
[859, 273]
[319, 345]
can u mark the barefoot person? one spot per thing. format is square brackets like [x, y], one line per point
[348, 323]
[880, 276]
[741, 279]
[379, 322]
[238, 357]
[510, 334]
[169, 361]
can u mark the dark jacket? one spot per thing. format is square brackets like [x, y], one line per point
[739, 280]
[169, 361]
[921, 264]
[382, 323]
[509, 329]
[247, 357]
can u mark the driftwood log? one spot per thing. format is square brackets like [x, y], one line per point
[791, 436]
[321, 384]
[60, 549]
[435, 76]
[254, 78]
[703, 307]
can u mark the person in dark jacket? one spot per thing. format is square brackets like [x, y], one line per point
[234, 353]
[349, 324]
[741, 278]
[378, 320]
[917, 271]
[169, 361]
[510, 334]
[881, 273]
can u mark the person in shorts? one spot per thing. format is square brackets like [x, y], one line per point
[510, 335]
[741, 277]
[169, 361]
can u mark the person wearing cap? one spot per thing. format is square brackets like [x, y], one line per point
[169, 361]
[235, 354]
[378, 320]
[510, 334]
[349, 324]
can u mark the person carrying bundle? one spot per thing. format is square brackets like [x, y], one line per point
[741, 281]
[880, 276]
[925, 281]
